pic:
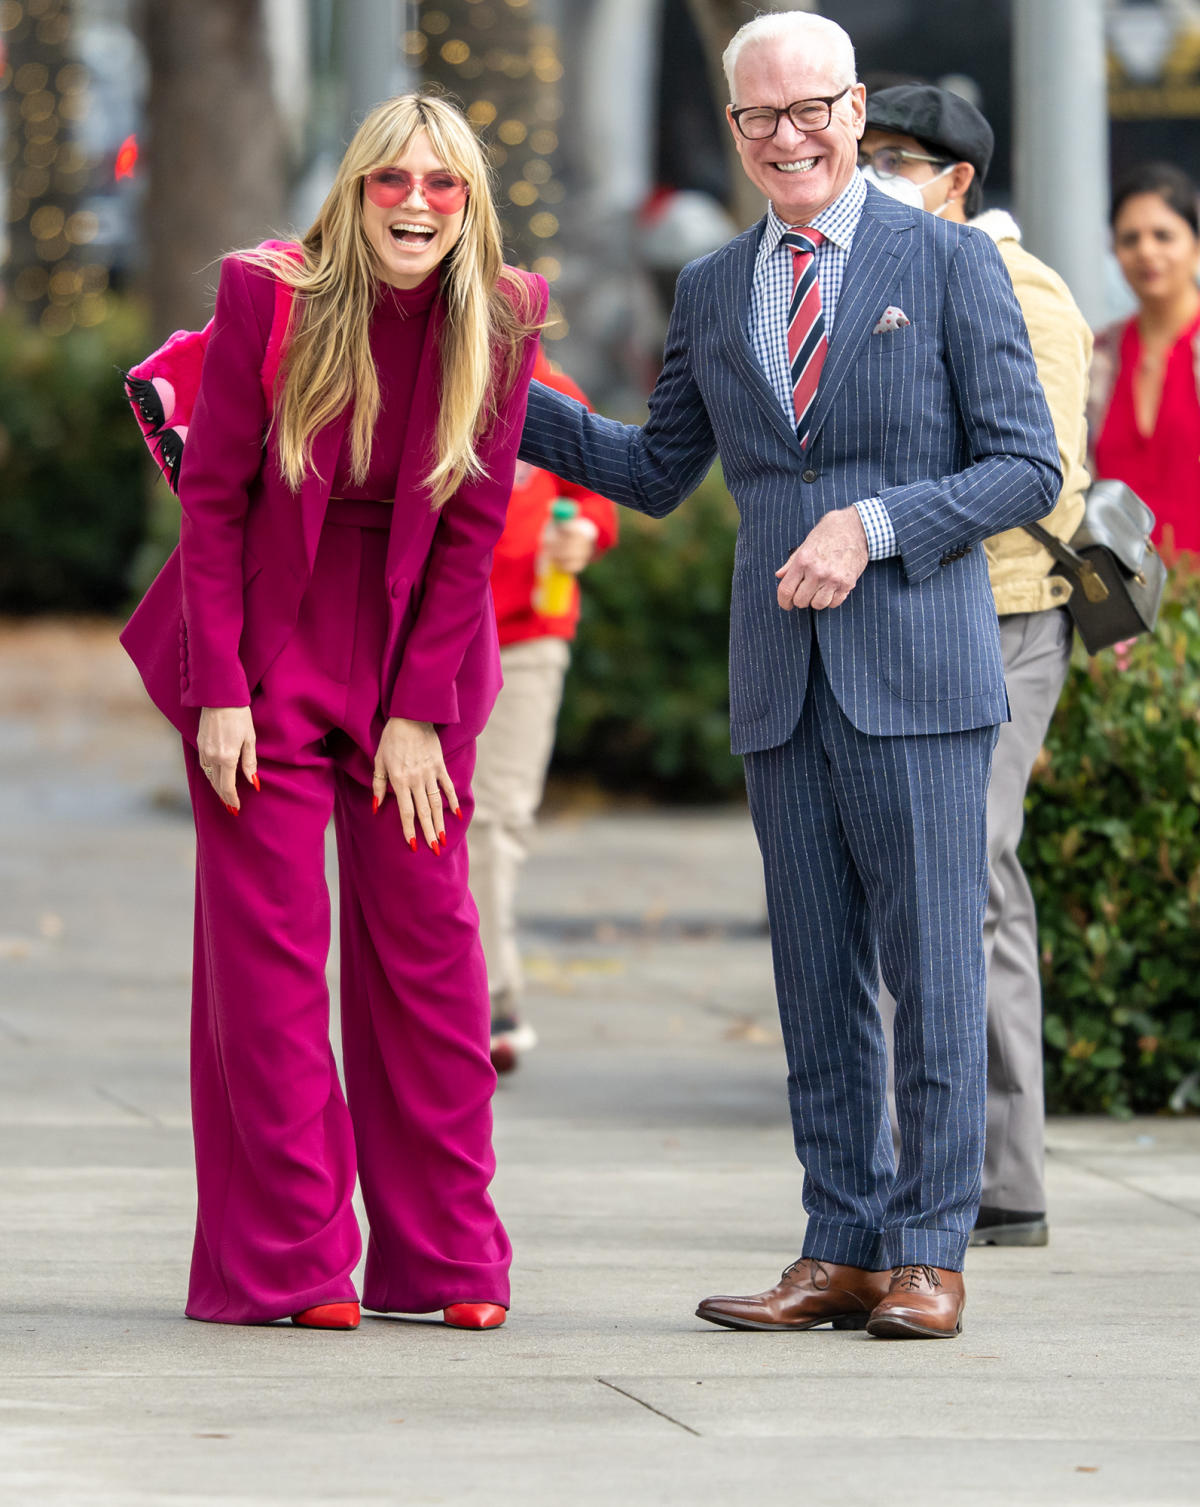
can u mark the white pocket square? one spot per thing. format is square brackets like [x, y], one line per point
[891, 319]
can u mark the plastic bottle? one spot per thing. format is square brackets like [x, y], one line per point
[554, 589]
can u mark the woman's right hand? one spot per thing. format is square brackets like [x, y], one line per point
[225, 740]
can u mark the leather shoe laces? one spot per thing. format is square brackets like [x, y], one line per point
[910, 1278]
[817, 1275]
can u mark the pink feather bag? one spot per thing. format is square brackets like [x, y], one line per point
[162, 389]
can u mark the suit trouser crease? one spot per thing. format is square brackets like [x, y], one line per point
[1037, 656]
[277, 1143]
[513, 755]
[874, 856]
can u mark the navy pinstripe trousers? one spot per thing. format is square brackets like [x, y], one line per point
[875, 855]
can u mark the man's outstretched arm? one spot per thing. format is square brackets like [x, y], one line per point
[651, 467]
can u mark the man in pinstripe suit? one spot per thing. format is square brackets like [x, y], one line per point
[866, 683]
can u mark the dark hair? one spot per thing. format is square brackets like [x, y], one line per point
[973, 198]
[1171, 184]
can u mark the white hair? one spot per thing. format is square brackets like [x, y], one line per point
[822, 32]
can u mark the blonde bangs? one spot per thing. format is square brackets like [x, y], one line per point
[488, 312]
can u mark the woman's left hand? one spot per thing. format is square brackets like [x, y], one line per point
[409, 761]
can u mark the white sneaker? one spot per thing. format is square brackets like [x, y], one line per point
[510, 1037]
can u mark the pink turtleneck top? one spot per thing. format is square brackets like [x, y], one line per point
[399, 327]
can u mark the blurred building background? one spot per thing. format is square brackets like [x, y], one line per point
[141, 138]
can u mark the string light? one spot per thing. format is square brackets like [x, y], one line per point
[506, 69]
[491, 53]
[44, 96]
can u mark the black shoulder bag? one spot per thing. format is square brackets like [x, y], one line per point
[1117, 573]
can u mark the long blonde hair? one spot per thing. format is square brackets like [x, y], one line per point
[488, 310]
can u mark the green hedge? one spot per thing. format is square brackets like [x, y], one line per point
[73, 493]
[1112, 849]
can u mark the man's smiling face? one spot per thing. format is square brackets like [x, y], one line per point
[800, 172]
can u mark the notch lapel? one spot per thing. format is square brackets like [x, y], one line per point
[882, 246]
[318, 483]
[415, 459]
[739, 279]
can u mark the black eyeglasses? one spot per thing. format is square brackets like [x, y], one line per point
[760, 122]
[888, 161]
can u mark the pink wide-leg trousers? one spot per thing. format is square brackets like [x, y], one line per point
[277, 1143]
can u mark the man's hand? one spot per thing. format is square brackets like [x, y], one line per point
[826, 567]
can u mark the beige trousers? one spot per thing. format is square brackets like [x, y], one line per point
[510, 774]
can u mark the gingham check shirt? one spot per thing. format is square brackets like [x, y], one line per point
[770, 294]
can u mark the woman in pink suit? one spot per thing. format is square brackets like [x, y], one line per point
[324, 639]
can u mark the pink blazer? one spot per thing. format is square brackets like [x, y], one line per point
[224, 604]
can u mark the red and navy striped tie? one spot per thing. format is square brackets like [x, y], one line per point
[806, 326]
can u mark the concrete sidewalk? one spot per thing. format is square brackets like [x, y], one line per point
[645, 1161]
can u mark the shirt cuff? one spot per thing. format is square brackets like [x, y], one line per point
[881, 536]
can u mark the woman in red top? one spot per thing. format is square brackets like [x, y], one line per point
[515, 747]
[1146, 373]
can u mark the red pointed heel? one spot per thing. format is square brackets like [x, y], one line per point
[328, 1316]
[474, 1315]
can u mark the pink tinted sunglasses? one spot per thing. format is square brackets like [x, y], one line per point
[442, 191]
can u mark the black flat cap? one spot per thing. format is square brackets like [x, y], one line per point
[943, 120]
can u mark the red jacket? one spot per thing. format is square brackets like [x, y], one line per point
[514, 567]
[226, 601]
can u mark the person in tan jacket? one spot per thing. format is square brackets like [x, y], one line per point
[931, 149]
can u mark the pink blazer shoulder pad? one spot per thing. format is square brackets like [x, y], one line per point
[528, 292]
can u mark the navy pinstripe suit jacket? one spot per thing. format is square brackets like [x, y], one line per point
[944, 420]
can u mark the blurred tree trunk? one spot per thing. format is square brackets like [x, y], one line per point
[216, 149]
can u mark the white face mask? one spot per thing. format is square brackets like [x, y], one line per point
[904, 190]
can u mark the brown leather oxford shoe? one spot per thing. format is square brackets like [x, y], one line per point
[809, 1293]
[922, 1303]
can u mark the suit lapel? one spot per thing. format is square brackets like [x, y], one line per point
[417, 454]
[882, 245]
[740, 278]
[318, 483]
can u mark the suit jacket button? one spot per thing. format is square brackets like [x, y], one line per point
[809, 476]
[399, 586]
[183, 682]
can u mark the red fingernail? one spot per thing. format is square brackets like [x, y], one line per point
[442, 838]
[436, 849]
[458, 812]
[233, 810]
[254, 782]
[412, 842]
[374, 804]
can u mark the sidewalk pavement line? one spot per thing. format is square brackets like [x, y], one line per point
[130, 1109]
[1121, 1182]
[649, 1407]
